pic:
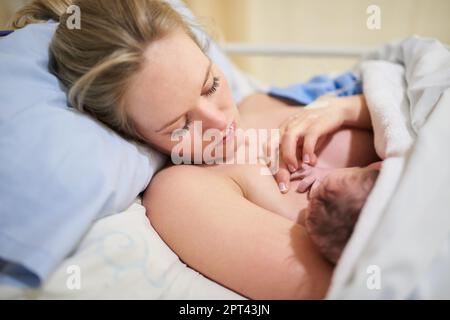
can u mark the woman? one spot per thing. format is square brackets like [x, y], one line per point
[136, 66]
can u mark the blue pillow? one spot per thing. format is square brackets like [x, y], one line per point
[59, 169]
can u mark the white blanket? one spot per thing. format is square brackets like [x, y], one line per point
[400, 246]
[122, 257]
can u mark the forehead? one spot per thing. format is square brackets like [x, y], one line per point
[170, 80]
[341, 180]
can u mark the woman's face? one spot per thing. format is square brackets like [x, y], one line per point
[179, 88]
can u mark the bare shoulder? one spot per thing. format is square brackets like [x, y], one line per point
[184, 183]
[259, 101]
[263, 111]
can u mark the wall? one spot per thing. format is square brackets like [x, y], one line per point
[307, 22]
[317, 23]
[7, 9]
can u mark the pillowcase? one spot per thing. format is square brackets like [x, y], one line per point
[60, 169]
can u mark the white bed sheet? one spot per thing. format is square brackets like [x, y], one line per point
[122, 257]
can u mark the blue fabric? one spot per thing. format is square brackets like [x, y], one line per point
[4, 33]
[304, 93]
[59, 169]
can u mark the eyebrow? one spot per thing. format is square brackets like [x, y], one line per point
[208, 71]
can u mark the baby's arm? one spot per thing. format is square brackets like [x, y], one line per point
[309, 176]
[312, 176]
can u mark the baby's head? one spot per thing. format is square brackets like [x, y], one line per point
[334, 208]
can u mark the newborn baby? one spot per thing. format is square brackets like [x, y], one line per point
[336, 196]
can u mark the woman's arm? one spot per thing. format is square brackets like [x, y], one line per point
[356, 111]
[206, 220]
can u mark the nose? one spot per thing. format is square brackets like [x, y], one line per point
[212, 117]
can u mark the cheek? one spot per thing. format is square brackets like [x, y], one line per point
[162, 143]
[307, 222]
[228, 104]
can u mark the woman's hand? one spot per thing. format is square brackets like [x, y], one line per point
[317, 120]
[304, 130]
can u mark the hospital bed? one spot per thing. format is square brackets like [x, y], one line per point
[400, 246]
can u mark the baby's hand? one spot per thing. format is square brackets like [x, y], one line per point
[310, 176]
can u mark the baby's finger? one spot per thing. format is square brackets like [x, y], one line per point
[305, 184]
[300, 174]
[305, 166]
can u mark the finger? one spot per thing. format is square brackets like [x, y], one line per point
[300, 174]
[309, 146]
[317, 149]
[299, 152]
[289, 144]
[305, 166]
[305, 184]
[313, 160]
[282, 177]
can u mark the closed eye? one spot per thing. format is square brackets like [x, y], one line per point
[213, 89]
[210, 92]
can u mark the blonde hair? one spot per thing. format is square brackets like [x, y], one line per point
[96, 63]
